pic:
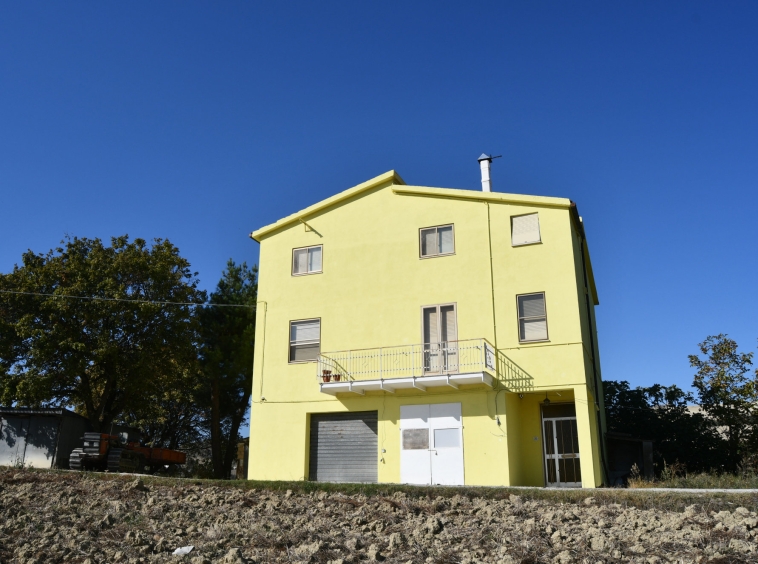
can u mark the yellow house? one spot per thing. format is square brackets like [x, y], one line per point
[409, 334]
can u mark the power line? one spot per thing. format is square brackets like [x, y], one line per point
[152, 302]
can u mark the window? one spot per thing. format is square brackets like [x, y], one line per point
[532, 319]
[306, 260]
[447, 438]
[525, 229]
[305, 340]
[415, 439]
[437, 241]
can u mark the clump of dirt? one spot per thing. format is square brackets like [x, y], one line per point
[82, 518]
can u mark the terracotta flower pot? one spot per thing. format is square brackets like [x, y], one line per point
[337, 377]
[326, 377]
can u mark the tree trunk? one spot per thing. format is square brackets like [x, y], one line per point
[733, 446]
[216, 454]
[231, 440]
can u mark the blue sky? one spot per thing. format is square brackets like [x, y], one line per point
[199, 122]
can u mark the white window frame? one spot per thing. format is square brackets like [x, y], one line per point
[519, 318]
[435, 227]
[291, 343]
[539, 230]
[308, 248]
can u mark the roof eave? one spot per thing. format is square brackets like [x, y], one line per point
[390, 176]
[497, 197]
[577, 220]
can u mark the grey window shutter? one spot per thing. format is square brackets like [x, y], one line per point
[533, 329]
[304, 352]
[305, 337]
[431, 334]
[449, 327]
[449, 337]
[305, 331]
[532, 317]
[525, 229]
[531, 306]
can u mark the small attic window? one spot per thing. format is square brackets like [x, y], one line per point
[525, 229]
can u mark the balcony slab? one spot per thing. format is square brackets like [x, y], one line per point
[420, 383]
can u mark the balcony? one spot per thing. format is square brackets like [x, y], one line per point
[386, 369]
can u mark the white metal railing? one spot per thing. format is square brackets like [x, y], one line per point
[405, 361]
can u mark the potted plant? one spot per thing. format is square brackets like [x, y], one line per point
[337, 377]
[326, 375]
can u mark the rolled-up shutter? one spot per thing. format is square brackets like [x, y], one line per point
[532, 318]
[344, 447]
[525, 229]
[431, 330]
[533, 330]
[305, 339]
[302, 331]
[531, 305]
[449, 327]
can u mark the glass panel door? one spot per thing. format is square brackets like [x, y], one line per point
[568, 449]
[449, 338]
[562, 461]
[550, 470]
[440, 332]
[432, 352]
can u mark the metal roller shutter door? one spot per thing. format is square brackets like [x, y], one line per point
[344, 447]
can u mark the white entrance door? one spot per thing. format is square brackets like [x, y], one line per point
[447, 443]
[415, 462]
[431, 444]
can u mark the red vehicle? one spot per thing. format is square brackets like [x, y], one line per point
[115, 453]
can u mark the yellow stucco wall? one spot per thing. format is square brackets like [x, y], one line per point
[370, 294]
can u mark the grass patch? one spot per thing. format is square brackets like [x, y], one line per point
[633, 497]
[703, 480]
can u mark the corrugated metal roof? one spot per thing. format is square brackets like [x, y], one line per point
[39, 411]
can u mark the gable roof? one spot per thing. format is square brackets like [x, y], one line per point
[390, 178]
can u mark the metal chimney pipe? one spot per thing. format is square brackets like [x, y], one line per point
[484, 163]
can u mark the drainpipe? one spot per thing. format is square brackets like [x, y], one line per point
[492, 279]
[596, 377]
[494, 315]
[263, 345]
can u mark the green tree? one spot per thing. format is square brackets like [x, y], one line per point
[727, 391]
[226, 359]
[661, 414]
[108, 356]
[173, 418]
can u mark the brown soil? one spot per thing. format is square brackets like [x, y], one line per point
[74, 517]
